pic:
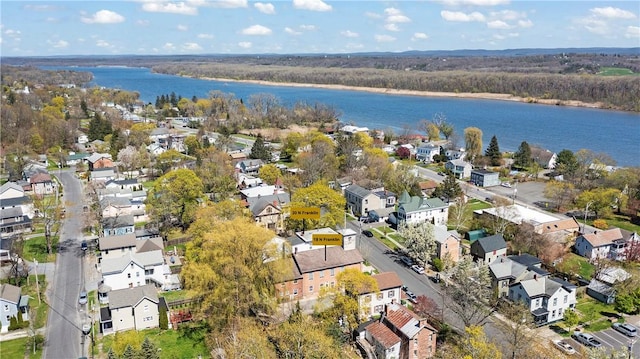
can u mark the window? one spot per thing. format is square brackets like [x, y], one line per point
[310, 288]
[378, 308]
[295, 281]
[148, 271]
[311, 276]
[555, 301]
[128, 275]
[367, 298]
[137, 274]
[321, 274]
[146, 307]
[566, 298]
[295, 291]
[390, 294]
[537, 302]
[332, 272]
[505, 284]
[380, 296]
[553, 314]
[6, 308]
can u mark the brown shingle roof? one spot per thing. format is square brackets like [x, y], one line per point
[10, 293]
[314, 260]
[603, 238]
[387, 280]
[560, 225]
[383, 335]
[430, 184]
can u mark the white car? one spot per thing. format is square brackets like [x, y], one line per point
[506, 184]
[416, 268]
[564, 347]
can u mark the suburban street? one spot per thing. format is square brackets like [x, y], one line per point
[63, 334]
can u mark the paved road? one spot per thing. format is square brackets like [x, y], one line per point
[63, 339]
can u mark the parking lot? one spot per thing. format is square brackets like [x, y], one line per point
[612, 339]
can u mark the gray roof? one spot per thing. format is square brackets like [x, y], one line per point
[544, 286]
[442, 234]
[419, 204]
[11, 212]
[357, 190]
[11, 185]
[143, 260]
[491, 243]
[150, 244]
[113, 242]
[10, 293]
[10, 202]
[117, 222]
[505, 268]
[115, 201]
[130, 297]
[313, 260]
[526, 259]
[257, 204]
[97, 156]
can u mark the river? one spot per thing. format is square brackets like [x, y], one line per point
[614, 133]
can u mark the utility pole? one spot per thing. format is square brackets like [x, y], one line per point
[35, 262]
[586, 212]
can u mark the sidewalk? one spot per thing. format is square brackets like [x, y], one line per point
[17, 334]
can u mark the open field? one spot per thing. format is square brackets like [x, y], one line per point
[616, 71]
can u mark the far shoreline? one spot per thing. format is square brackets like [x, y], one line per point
[400, 92]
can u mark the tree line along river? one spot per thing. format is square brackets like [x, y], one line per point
[614, 133]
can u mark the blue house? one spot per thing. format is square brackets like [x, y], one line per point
[117, 226]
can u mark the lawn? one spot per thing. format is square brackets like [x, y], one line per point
[616, 71]
[17, 348]
[575, 264]
[595, 314]
[171, 343]
[176, 295]
[37, 248]
[476, 204]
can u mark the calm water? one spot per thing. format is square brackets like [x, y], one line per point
[554, 127]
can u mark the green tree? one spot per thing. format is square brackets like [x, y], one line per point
[476, 345]
[571, 319]
[445, 127]
[216, 171]
[99, 127]
[245, 338]
[567, 163]
[269, 173]
[517, 328]
[562, 193]
[148, 350]
[401, 179]
[174, 198]
[129, 353]
[192, 144]
[226, 268]
[260, 150]
[600, 200]
[493, 152]
[167, 160]
[330, 202]
[304, 339]
[522, 157]
[420, 240]
[449, 188]
[163, 319]
[351, 284]
[473, 142]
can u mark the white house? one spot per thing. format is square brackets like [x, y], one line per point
[135, 270]
[131, 309]
[389, 285]
[548, 298]
[459, 168]
[427, 151]
[487, 249]
[611, 244]
[417, 209]
[361, 200]
[117, 246]
[11, 302]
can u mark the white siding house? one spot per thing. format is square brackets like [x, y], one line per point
[135, 270]
[547, 298]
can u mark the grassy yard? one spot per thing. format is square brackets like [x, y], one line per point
[176, 295]
[476, 204]
[574, 264]
[621, 221]
[37, 248]
[616, 71]
[170, 343]
[595, 315]
[17, 348]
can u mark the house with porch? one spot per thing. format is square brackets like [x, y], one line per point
[361, 200]
[16, 210]
[12, 302]
[268, 211]
[417, 209]
[42, 184]
[372, 304]
[134, 270]
[426, 152]
[249, 166]
[512, 269]
[131, 309]
[609, 244]
[547, 298]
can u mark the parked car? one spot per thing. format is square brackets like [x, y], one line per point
[586, 339]
[416, 268]
[564, 347]
[626, 329]
[506, 184]
[82, 300]
[367, 233]
[83, 245]
[412, 297]
[407, 261]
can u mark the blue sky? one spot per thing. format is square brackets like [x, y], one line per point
[148, 27]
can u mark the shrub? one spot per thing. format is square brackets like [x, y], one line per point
[600, 224]
[163, 321]
[438, 264]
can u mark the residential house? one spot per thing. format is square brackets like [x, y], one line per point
[11, 190]
[543, 157]
[460, 168]
[116, 246]
[260, 191]
[131, 309]
[427, 187]
[117, 226]
[12, 302]
[82, 138]
[16, 210]
[103, 174]
[303, 240]
[115, 206]
[519, 216]
[372, 304]
[417, 337]
[42, 184]
[453, 154]
[100, 160]
[237, 156]
[485, 178]
[247, 181]
[268, 211]
[610, 244]
[488, 249]
[386, 344]
[448, 248]
[131, 184]
[512, 269]
[547, 298]
[426, 152]
[350, 130]
[417, 209]
[250, 166]
[361, 200]
[134, 270]
[32, 169]
[602, 287]
[316, 269]
[74, 159]
[559, 230]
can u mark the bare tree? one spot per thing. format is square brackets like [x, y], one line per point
[471, 295]
[516, 326]
[459, 214]
[18, 269]
[49, 213]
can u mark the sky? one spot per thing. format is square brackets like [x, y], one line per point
[151, 27]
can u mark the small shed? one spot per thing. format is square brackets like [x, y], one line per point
[473, 236]
[601, 291]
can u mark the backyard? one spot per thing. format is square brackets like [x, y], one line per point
[187, 342]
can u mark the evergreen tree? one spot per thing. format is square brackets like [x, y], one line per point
[522, 158]
[111, 354]
[148, 350]
[84, 108]
[567, 163]
[129, 353]
[163, 320]
[173, 99]
[260, 150]
[158, 102]
[194, 99]
[99, 127]
[449, 188]
[493, 152]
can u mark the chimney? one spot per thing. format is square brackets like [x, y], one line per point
[535, 277]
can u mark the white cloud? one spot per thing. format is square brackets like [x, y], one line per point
[191, 46]
[419, 36]
[245, 44]
[395, 16]
[508, 15]
[182, 27]
[11, 32]
[291, 31]
[173, 8]
[612, 13]
[633, 32]
[102, 43]
[308, 27]
[265, 8]
[498, 24]
[349, 33]
[60, 44]
[596, 26]
[475, 2]
[372, 15]
[205, 36]
[391, 27]
[384, 38]
[169, 46]
[143, 22]
[525, 23]
[462, 17]
[313, 5]
[227, 4]
[103, 17]
[256, 30]
[40, 7]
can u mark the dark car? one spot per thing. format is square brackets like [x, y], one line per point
[83, 245]
[367, 233]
